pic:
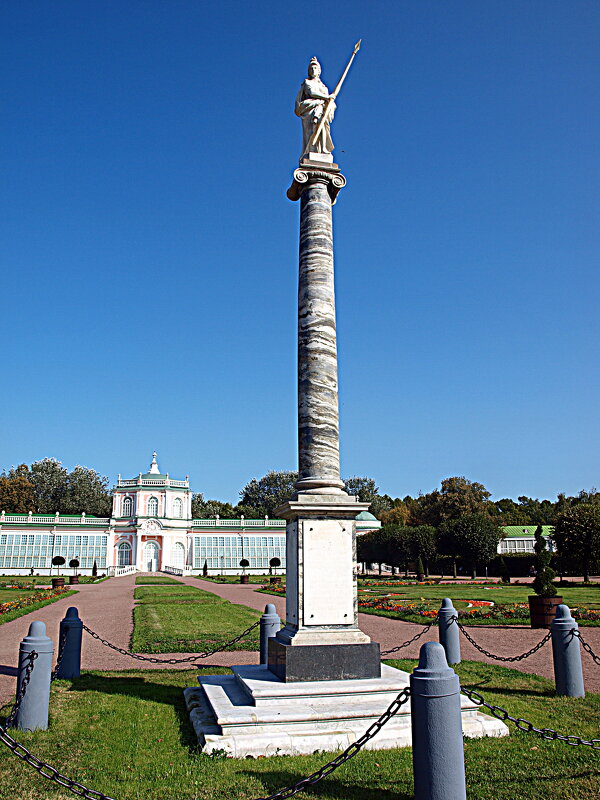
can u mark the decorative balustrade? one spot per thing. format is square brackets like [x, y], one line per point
[118, 572]
[52, 519]
[238, 523]
[160, 481]
[179, 571]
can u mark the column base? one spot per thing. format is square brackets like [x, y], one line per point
[327, 662]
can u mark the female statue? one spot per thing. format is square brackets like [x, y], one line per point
[310, 106]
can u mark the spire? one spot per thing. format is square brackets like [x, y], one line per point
[154, 470]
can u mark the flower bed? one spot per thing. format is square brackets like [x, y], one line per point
[31, 598]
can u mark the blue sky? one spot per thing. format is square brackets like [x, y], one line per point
[149, 253]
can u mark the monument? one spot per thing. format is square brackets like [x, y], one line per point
[324, 683]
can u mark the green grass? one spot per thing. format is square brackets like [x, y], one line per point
[498, 593]
[21, 580]
[141, 579]
[20, 612]
[260, 579]
[128, 735]
[183, 619]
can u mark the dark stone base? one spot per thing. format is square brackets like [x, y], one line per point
[327, 662]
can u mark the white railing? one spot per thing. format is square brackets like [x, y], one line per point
[117, 572]
[187, 570]
[54, 519]
[166, 481]
[238, 523]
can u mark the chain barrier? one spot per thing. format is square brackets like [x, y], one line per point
[505, 659]
[59, 658]
[587, 647]
[410, 641]
[185, 660]
[31, 657]
[526, 726]
[52, 774]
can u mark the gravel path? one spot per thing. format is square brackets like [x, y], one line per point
[107, 609]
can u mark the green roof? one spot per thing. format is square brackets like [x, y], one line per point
[523, 531]
[366, 516]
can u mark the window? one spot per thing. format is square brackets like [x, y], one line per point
[127, 507]
[153, 507]
[124, 554]
[177, 508]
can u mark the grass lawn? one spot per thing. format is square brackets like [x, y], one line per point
[9, 595]
[260, 579]
[22, 580]
[183, 619]
[142, 579]
[128, 735]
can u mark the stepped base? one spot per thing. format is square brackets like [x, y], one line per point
[253, 713]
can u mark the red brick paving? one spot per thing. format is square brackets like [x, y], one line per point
[107, 609]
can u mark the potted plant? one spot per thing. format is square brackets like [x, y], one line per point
[273, 564]
[420, 570]
[58, 582]
[542, 604]
[74, 578]
[243, 577]
[205, 570]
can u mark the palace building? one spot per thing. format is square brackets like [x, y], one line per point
[150, 529]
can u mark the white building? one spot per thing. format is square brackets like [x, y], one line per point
[150, 529]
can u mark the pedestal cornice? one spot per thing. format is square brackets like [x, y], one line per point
[308, 173]
[321, 506]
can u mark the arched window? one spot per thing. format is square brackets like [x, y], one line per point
[178, 555]
[153, 507]
[124, 554]
[127, 507]
[177, 508]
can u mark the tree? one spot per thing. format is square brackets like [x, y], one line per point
[577, 536]
[16, 492]
[58, 562]
[423, 544]
[395, 541]
[474, 536]
[87, 492]
[367, 492]
[210, 509]
[49, 479]
[542, 585]
[270, 491]
[398, 514]
[457, 496]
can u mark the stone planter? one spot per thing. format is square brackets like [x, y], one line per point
[276, 579]
[58, 583]
[73, 579]
[542, 610]
[244, 578]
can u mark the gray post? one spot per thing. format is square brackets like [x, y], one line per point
[33, 711]
[270, 624]
[438, 754]
[448, 631]
[71, 630]
[566, 654]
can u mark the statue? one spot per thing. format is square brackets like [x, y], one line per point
[316, 107]
[311, 102]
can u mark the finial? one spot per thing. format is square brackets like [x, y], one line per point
[154, 465]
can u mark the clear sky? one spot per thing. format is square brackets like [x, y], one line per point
[149, 252]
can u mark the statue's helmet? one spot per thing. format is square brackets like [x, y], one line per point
[314, 62]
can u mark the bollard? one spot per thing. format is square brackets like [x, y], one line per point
[437, 739]
[71, 631]
[33, 711]
[269, 626]
[566, 654]
[448, 631]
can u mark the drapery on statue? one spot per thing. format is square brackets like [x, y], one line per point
[310, 106]
[316, 107]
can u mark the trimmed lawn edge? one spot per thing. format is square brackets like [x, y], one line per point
[20, 612]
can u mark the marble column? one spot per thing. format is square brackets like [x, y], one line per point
[321, 639]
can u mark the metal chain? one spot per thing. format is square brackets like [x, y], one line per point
[505, 659]
[31, 657]
[59, 658]
[410, 641]
[52, 774]
[185, 660]
[526, 726]
[587, 647]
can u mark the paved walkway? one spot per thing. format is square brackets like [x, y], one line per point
[107, 608]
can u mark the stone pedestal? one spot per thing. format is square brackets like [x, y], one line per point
[252, 713]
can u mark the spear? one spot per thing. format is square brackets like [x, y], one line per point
[332, 97]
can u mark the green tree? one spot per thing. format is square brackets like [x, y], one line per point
[395, 545]
[270, 491]
[475, 537]
[398, 514]
[577, 536]
[87, 492]
[457, 497]
[16, 492]
[210, 509]
[50, 480]
[423, 544]
[542, 583]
